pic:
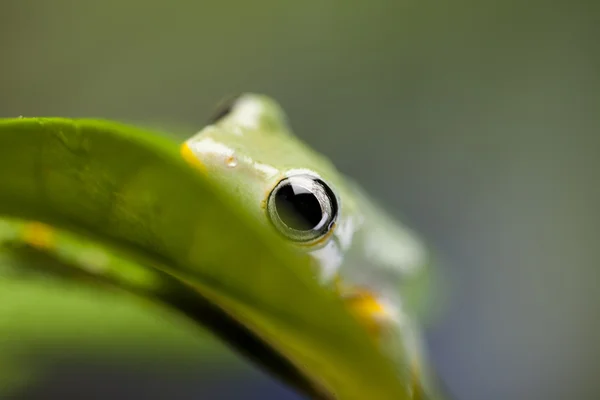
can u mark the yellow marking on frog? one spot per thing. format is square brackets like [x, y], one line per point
[365, 306]
[189, 156]
[373, 315]
[368, 310]
[39, 235]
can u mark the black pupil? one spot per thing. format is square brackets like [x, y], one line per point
[297, 207]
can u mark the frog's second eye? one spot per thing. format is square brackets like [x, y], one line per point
[223, 109]
[303, 208]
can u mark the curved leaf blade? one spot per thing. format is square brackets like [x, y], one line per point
[128, 187]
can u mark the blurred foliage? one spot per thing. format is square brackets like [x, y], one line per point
[43, 321]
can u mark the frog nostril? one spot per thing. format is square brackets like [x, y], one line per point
[231, 161]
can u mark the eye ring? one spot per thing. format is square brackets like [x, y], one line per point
[303, 208]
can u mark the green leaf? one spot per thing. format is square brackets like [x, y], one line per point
[41, 313]
[44, 321]
[184, 244]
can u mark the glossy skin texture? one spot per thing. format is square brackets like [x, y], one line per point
[367, 257]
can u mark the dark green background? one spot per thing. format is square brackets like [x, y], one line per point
[477, 122]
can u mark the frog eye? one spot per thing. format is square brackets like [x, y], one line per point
[302, 207]
[223, 109]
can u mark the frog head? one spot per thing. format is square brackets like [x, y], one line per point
[248, 148]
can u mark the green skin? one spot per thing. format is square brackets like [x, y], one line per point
[251, 148]
[119, 191]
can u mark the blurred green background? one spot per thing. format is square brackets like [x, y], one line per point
[475, 122]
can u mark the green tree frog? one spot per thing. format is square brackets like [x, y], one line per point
[359, 251]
